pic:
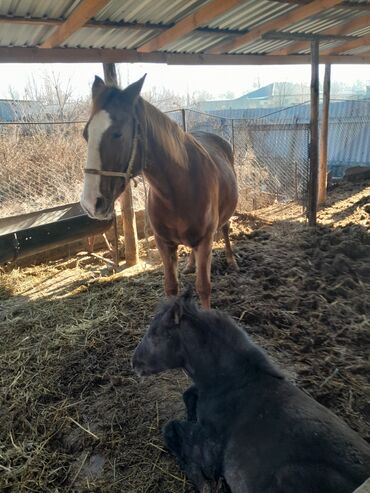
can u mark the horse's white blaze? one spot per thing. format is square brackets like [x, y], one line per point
[99, 123]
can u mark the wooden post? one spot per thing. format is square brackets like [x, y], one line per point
[323, 169]
[314, 144]
[126, 202]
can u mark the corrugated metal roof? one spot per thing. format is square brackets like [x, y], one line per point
[158, 11]
[49, 9]
[248, 15]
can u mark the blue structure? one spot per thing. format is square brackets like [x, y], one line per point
[349, 129]
[12, 110]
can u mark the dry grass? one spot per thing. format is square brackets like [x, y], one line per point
[42, 167]
[74, 417]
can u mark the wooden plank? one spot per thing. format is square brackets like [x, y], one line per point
[188, 24]
[78, 18]
[125, 200]
[323, 166]
[96, 55]
[348, 45]
[284, 20]
[343, 28]
[30, 21]
[314, 142]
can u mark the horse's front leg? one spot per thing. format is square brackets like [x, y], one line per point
[203, 258]
[168, 253]
[197, 456]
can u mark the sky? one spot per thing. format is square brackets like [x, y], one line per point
[217, 80]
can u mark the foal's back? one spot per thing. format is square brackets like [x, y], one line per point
[286, 442]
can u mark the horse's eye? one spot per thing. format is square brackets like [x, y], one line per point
[116, 135]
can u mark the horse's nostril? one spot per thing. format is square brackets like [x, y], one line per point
[99, 203]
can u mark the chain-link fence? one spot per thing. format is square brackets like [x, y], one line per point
[42, 163]
[271, 158]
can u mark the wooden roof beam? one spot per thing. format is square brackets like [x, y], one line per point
[89, 55]
[348, 45]
[201, 16]
[107, 24]
[77, 19]
[340, 29]
[280, 22]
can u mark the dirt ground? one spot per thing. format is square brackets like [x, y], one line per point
[74, 417]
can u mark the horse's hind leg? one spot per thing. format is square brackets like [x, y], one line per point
[168, 252]
[230, 257]
[190, 266]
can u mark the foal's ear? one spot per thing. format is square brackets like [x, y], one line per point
[97, 86]
[132, 92]
[179, 306]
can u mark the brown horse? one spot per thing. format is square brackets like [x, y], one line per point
[192, 184]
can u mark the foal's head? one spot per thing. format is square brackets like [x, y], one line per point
[112, 136]
[207, 343]
[161, 348]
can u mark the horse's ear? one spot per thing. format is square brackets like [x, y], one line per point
[97, 86]
[132, 92]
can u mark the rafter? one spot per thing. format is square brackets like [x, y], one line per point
[280, 22]
[80, 15]
[189, 23]
[348, 45]
[340, 29]
[107, 24]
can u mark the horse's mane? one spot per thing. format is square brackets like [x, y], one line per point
[162, 129]
[158, 127]
[216, 329]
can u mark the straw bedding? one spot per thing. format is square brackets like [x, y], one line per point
[74, 417]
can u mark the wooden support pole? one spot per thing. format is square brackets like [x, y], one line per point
[314, 144]
[126, 202]
[323, 167]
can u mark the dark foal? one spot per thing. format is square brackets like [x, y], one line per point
[246, 422]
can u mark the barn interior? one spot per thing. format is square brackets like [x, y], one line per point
[74, 416]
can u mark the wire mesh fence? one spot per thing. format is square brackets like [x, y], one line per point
[42, 163]
[271, 158]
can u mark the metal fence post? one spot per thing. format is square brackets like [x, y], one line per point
[233, 136]
[183, 115]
